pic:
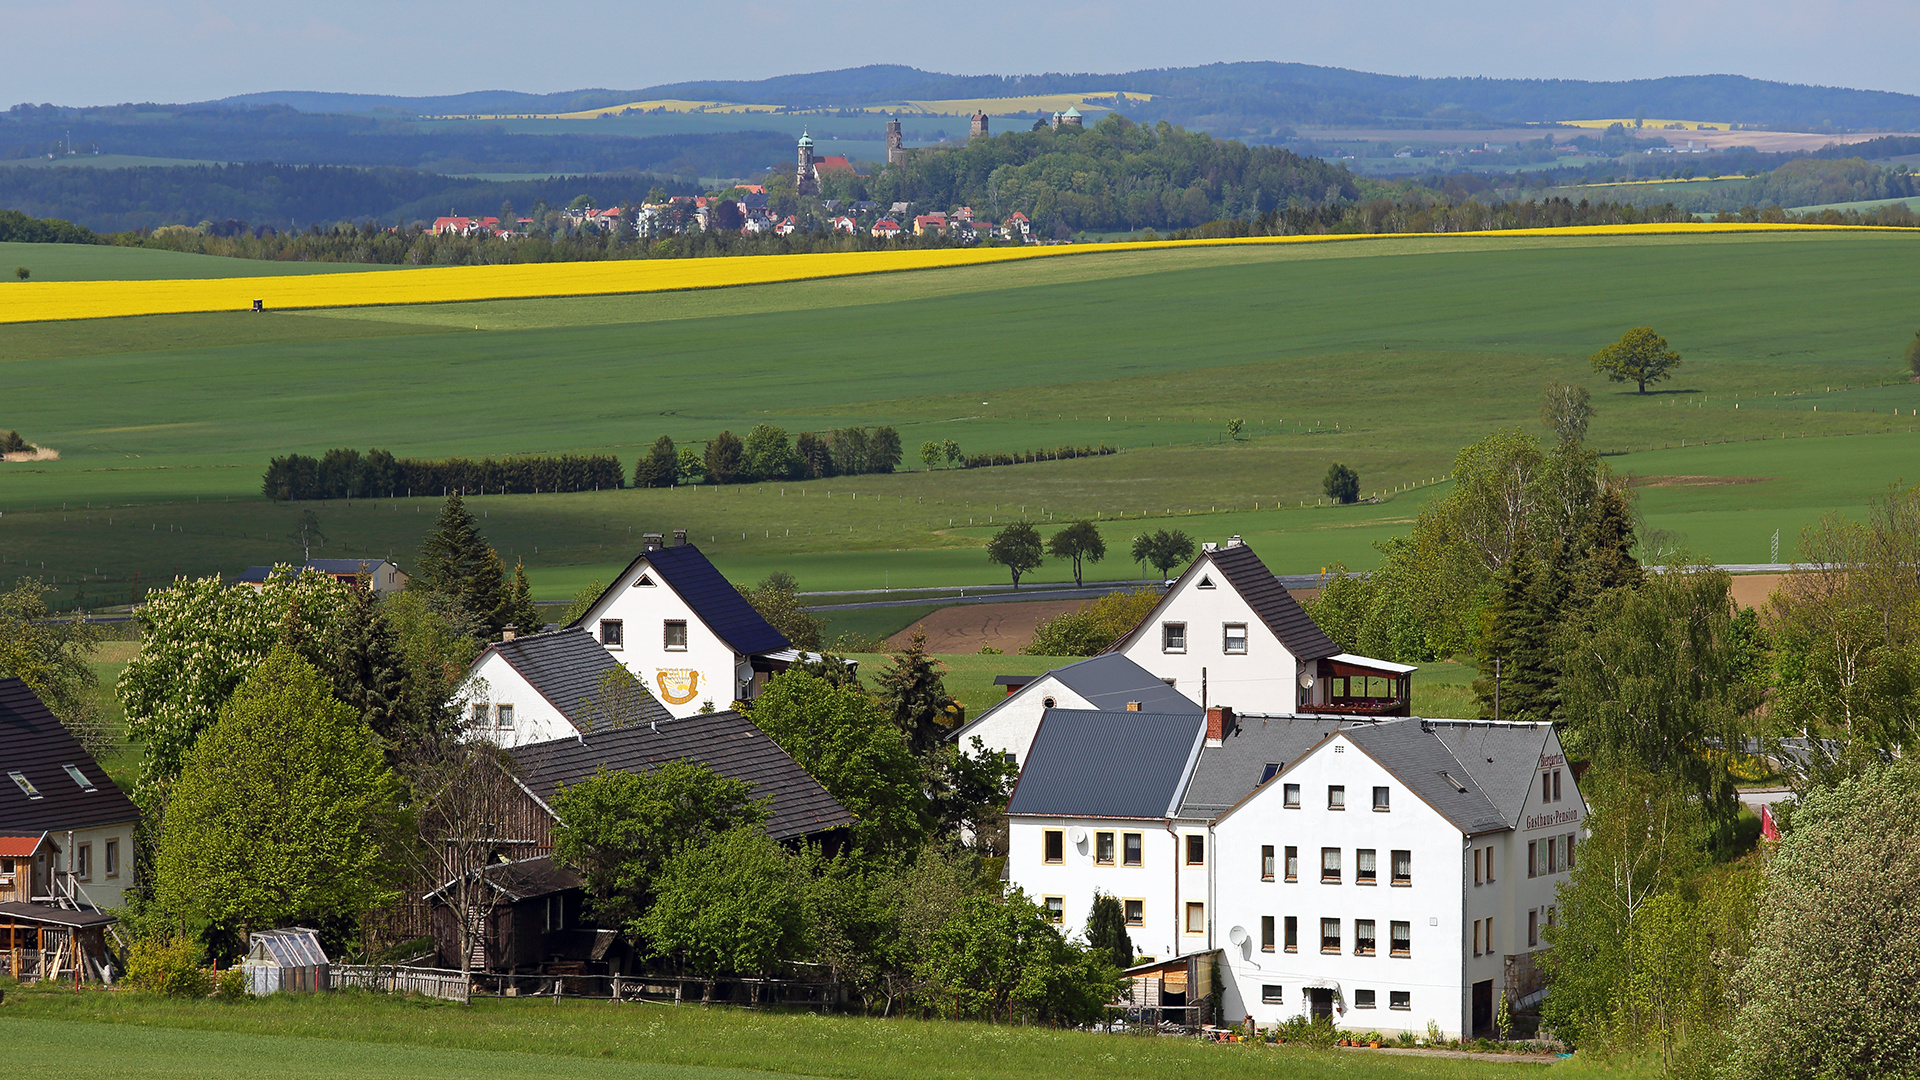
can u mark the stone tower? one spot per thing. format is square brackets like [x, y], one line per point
[805, 180]
[979, 128]
[896, 146]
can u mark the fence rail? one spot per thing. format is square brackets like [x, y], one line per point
[442, 983]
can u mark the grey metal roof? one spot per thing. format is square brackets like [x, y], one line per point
[1503, 757]
[1096, 763]
[1231, 771]
[36, 745]
[725, 742]
[1271, 601]
[1108, 682]
[1417, 756]
[567, 666]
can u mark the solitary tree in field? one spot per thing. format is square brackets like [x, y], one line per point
[1078, 542]
[1016, 547]
[22, 273]
[1342, 484]
[1567, 409]
[1640, 356]
[1163, 550]
[1233, 428]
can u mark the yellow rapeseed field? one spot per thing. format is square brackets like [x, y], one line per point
[42, 301]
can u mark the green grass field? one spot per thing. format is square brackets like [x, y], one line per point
[84, 262]
[137, 1037]
[1387, 355]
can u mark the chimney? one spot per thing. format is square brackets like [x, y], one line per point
[1133, 706]
[507, 632]
[679, 538]
[650, 541]
[1219, 721]
[1233, 541]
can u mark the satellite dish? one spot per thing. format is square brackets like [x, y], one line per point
[1237, 935]
[1078, 835]
[1306, 679]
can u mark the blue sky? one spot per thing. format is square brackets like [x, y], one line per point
[82, 52]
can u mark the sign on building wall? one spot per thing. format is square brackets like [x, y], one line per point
[677, 685]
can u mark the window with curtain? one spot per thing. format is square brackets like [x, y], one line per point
[1363, 871]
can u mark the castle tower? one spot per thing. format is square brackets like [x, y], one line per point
[805, 180]
[1069, 119]
[896, 146]
[979, 128]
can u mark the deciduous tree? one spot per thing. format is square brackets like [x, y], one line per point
[1566, 409]
[52, 657]
[1018, 548]
[1341, 484]
[1078, 542]
[1640, 357]
[1163, 550]
[660, 467]
[846, 741]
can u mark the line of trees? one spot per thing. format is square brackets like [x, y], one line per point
[769, 453]
[377, 474]
[1023, 457]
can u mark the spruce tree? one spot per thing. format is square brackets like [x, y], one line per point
[518, 609]
[1608, 541]
[368, 670]
[660, 468]
[1107, 932]
[456, 563]
[1505, 632]
[916, 697]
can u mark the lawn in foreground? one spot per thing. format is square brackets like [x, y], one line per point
[117, 1034]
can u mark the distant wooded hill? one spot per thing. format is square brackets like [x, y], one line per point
[1254, 98]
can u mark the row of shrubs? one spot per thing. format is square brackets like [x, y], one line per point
[1025, 457]
[768, 453]
[377, 474]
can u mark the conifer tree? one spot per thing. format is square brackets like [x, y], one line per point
[1609, 546]
[456, 563]
[368, 671]
[660, 467]
[517, 609]
[916, 697]
[1107, 932]
[1507, 629]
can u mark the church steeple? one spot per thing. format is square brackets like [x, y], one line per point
[806, 181]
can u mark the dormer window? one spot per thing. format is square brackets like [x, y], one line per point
[79, 778]
[26, 785]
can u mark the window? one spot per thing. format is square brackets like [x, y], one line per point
[1533, 927]
[1550, 913]
[1380, 805]
[1363, 937]
[503, 716]
[612, 633]
[1556, 785]
[1293, 863]
[26, 785]
[1173, 637]
[1130, 848]
[1533, 858]
[675, 635]
[645, 582]
[1329, 935]
[1330, 865]
[1402, 937]
[479, 715]
[1268, 771]
[1363, 867]
[1136, 911]
[1571, 839]
[1489, 864]
[1269, 994]
[1048, 703]
[1476, 866]
[1476, 937]
[1403, 867]
[1196, 917]
[1235, 643]
[79, 778]
[1206, 582]
[1399, 999]
[1336, 796]
[1266, 862]
[1363, 999]
[1293, 933]
[1196, 849]
[1290, 795]
[1266, 933]
[1056, 846]
[1103, 848]
[113, 858]
[83, 862]
[1056, 909]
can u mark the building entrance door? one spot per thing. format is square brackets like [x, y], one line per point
[1482, 1006]
[1320, 1002]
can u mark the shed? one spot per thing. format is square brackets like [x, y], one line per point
[289, 959]
[41, 941]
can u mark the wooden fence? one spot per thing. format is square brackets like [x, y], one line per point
[439, 983]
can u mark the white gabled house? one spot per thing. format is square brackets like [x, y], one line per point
[1382, 873]
[537, 687]
[685, 631]
[1228, 631]
[1109, 682]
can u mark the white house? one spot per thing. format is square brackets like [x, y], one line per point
[537, 687]
[1383, 873]
[66, 831]
[685, 631]
[1228, 632]
[1109, 682]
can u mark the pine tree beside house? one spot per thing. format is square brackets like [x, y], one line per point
[456, 563]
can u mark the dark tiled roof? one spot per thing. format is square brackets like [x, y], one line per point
[1089, 763]
[566, 667]
[524, 879]
[713, 598]
[1504, 758]
[1422, 762]
[1270, 600]
[725, 742]
[35, 744]
[49, 915]
[1231, 771]
[1108, 682]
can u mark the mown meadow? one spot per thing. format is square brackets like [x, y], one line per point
[1387, 355]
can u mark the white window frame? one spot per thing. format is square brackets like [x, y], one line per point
[1227, 639]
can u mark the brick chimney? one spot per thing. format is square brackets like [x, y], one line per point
[1133, 706]
[650, 541]
[679, 538]
[507, 632]
[1219, 722]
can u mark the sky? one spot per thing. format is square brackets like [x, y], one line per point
[93, 52]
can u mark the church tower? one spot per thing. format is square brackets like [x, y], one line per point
[979, 128]
[896, 146]
[805, 180]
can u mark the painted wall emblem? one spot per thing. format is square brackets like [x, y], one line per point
[677, 685]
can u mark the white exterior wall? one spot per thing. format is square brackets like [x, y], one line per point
[1015, 718]
[643, 612]
[535, 719]
[1515, 893]
[1261, 680]
[1432, 972]
[1077, 876]
[97, 886]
